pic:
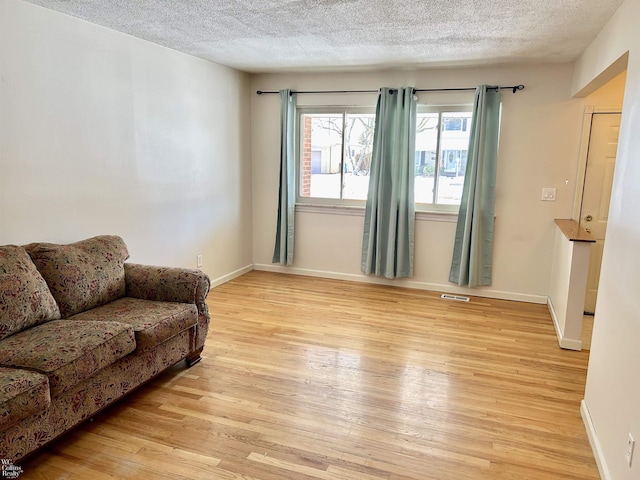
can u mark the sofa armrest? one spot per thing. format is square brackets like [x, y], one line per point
[166, 284]
[171, 284]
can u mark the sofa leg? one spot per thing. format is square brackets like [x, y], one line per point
[194, 357]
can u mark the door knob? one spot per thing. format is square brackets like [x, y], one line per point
[588, 218]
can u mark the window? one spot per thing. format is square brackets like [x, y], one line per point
[442, 141]
[335, 155]
[335, 148]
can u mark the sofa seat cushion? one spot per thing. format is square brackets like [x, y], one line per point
[22, 393]
[153, 322]
[67, 352]
[84, 274]
[25, 299]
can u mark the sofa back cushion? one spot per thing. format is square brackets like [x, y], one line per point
[25, 299]
[84, 274]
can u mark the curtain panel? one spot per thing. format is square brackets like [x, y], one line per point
[283, 249]
[388, 239]
[473, 247]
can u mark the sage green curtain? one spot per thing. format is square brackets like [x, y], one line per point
[388, 239]
[283, 250]
[473, 247]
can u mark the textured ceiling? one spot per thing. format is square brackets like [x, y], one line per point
[297, 35]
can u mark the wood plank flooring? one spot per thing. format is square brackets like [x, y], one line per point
[307, 378]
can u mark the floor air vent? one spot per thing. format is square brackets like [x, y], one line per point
[457, 298]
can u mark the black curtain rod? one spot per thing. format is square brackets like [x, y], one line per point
[513, 88]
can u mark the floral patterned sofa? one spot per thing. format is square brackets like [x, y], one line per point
[79, 328]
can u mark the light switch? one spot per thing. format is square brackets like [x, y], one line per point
[548, 194]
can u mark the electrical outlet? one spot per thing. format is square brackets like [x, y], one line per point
[199, 261]
[631, 443]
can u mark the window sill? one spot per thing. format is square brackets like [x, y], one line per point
[447, 217]
[354, 211]
[330, 209]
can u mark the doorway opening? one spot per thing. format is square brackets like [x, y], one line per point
[598, 153]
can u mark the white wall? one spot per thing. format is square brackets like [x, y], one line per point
[101, 132]
[610, 95]
[539, 145]
[612, 397]
[567, 289]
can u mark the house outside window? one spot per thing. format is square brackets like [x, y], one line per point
[442, 142]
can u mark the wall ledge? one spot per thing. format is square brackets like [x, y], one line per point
[573, 231]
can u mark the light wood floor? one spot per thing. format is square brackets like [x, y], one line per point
[307, 378]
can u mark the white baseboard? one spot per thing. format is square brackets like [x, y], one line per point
[408, 283]
[566, 343]
[595, 443]
[230, 276]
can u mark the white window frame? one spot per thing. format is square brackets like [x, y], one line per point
[440, 109]
[342, 110]
[339, 203]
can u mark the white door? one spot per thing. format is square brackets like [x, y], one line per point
[594, 213]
